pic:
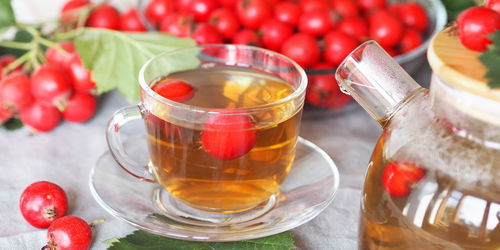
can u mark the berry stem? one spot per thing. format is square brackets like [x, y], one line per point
[69, 35]
[15, 45]
[47, 43]
[94, 223]
[19, 61]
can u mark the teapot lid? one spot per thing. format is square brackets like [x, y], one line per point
[459, 66]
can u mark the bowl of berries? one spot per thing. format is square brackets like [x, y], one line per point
[317, 34]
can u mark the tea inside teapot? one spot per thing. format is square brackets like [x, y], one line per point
[433, 178]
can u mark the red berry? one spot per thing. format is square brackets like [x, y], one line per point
[354, 26]
[228, 136]
[246, 37]
[205, 34]
[312, 5]
[69, 233]
[130, 21]
[157, 10]
[252, 13]
[42, 202]
[69, 12]
[372, 4]
[287, 12]
[323, 90]
[81, 78]
[474, 26]
[225, 22]
[55, 57]
[50, 85]
[15, 92]
[399, 178]
[183, 6]
[5, 114]
[228, 3]
[316, 22]
[202, 9]
[493, 4]
[385, 28]
[392, 52]
[274, 34]
[180, 25]
[411, 40]
[337, 101]
[5, 60]
[337, 46]
[176, 90]
[346, 8]
[302, 48]
[104, 16]
[40, 117]
[81, 107]
[413, 15]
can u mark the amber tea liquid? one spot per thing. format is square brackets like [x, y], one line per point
[455, 206]
[182, 164]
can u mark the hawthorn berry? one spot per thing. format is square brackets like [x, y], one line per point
[400, 178]
[176, 90]
[228, 136]
[474, 26]
[42, 202]
[40, 117]
[69, 233]
[81, 107]
[15, 92]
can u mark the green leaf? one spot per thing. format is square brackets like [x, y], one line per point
[491, 59]
[144, 240]
[13, 124]
[455, 7]
[115, 58]
[7, 18]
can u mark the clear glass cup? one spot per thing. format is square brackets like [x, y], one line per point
[200, 183]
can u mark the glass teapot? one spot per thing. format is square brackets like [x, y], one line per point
[433, 180]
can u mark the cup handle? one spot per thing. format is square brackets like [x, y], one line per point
[114, 140]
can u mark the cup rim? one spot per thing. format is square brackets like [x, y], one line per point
[192, 108]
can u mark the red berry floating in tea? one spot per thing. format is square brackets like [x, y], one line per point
[178, 91]
[399, 178]
[228, 136]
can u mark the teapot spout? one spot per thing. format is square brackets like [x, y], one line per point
[376, 81]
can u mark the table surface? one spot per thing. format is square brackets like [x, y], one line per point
[66, 155]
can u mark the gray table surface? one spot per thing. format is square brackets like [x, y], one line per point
[66, 155]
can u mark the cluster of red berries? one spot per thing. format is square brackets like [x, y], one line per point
[475, 24]
[62, 88]
[44, 205]
[318, 34]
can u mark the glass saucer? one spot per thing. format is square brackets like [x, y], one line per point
[309, 188]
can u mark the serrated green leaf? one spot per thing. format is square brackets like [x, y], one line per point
[7, 18]
[147, 241]
[115, 58]
[13, 124]
[491, 59]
